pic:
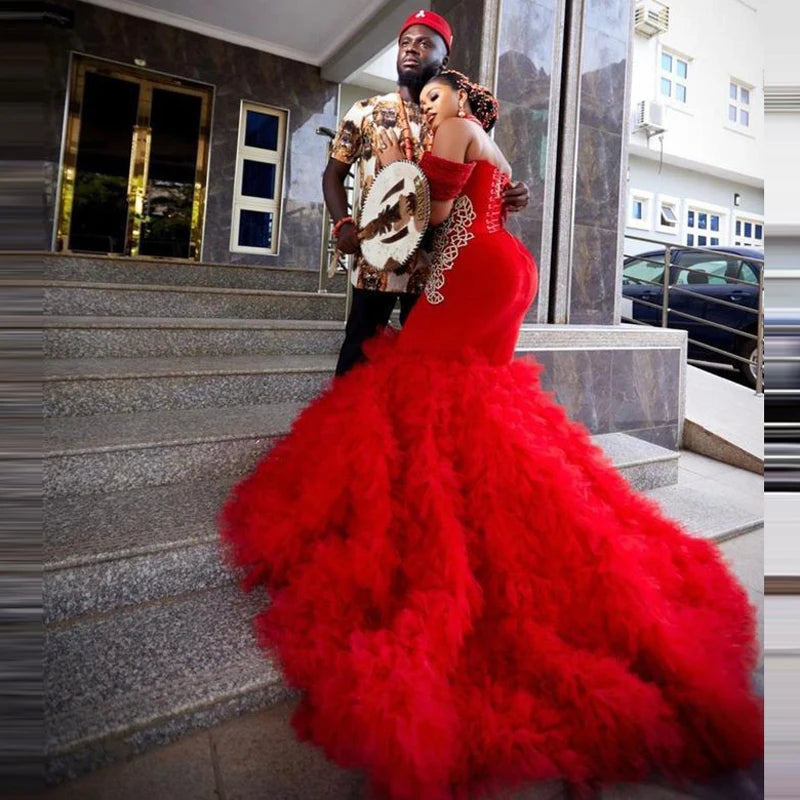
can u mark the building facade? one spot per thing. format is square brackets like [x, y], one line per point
[696, 161]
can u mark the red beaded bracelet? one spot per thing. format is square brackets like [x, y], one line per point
[338, 226]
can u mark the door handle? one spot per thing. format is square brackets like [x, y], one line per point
[736, 295]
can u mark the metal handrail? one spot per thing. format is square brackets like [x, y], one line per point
[713, 249]
[664, 306]
[688, 269]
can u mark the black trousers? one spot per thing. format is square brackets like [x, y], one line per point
[369, 311]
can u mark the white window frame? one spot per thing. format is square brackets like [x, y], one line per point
[700, 207]
[739, 106]
[665, 200]
[242, 202]
[747, 241]
[646, 198]
[673, 77]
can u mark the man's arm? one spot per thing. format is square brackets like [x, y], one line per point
[336, 200]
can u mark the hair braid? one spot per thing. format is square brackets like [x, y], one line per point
[482, 102]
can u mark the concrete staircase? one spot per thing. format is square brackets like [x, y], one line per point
[164, 383]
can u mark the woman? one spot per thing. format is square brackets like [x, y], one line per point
[467, 592]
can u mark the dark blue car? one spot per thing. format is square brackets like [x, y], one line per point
[730, 274]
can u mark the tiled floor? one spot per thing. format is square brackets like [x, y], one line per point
[257, 757]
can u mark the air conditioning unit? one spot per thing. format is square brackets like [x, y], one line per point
[650, 18]
[649, 117]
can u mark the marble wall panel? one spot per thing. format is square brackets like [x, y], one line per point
[608, 16]
[594, 275]
[466, 21]
[237, 73]
[600, 153]
[628, 390]
[526, 46]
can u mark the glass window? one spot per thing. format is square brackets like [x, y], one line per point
[682, 68]
[674, 75]
[255, 229]
[645, 271]
[738, 227]
[666, 62]
[668, 216]
[714, 241]
[701, 241]
[258, 179]
[680, 92]
[748, 273]
[714, 222]
[759, 232]
[739, 104]
[666, 87]
[261, 130]
[748, 229]
[702, 220]
[690, 218]
[690, 239]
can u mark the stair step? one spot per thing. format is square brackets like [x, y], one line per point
[75, 387]
[107, 452]
[127, 337]
[70, 298]
[183, 273]
[120, 684]
[129, 547]
[704, 514]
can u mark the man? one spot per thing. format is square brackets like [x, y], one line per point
[423, 51]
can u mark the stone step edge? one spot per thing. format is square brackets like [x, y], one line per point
[49, 255]
[100, 322]
[145, 722]
[108, 556]
[155, 287]
[187, 371]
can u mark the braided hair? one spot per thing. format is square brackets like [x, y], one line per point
[482, 102]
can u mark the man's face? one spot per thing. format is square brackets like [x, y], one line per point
[421, 54]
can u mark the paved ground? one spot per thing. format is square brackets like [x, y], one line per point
[256, 757]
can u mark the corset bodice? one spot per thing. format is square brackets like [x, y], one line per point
[485, 190]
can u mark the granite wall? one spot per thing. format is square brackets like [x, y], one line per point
[237, 73]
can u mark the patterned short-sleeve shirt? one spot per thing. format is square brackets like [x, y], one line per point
[356, 141]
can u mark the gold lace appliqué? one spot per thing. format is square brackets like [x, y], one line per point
[450, 238]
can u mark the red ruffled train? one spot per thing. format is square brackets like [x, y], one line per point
[467, 592]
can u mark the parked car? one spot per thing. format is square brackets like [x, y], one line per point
[697, 279]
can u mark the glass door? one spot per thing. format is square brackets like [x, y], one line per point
[135, 163]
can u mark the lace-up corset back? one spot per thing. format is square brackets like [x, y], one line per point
[485, 189]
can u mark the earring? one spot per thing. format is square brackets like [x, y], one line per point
[461, 112]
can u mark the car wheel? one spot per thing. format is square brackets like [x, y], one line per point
[749, 371]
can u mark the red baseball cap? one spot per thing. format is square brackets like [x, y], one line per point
[432, 20]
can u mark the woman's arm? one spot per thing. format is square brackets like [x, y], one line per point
[451, 141]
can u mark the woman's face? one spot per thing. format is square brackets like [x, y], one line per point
[438, 101]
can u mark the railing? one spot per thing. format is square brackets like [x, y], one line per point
[331, 263]
[667, 287]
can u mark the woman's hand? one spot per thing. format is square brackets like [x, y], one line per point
[388, 147]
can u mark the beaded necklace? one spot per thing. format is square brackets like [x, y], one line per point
[405, 136]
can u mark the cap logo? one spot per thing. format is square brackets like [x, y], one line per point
[420, 15]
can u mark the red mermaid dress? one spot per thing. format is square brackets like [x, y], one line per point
[466, 591]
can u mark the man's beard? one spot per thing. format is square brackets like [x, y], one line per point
[415, 82]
